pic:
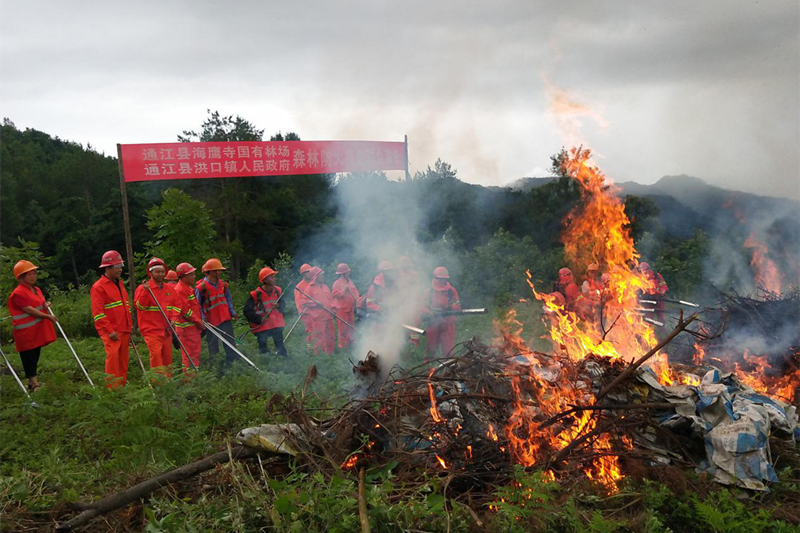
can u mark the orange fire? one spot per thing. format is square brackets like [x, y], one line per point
[441, 461]
[435, 414]
[784, 386]
[767, 275]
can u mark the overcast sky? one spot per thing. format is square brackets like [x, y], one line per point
[710, 89]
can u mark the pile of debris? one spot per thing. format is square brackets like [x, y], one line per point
[485, 409]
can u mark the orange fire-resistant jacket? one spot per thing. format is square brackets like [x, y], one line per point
[186, 302]
[29, 331]
[110, 307]
[151, 320]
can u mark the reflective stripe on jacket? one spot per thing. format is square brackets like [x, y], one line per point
[110, 308]
[29, 331]
[214, 301]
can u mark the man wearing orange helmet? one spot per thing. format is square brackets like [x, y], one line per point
[216, 306]
[569, 289]
[188, 325]
[345, 298]
[324, 333]
[592, 286]
[171, 277]
[31, 323]
[440, 298]
[264, 311]
[408, 283]
[154, 299]
[300, 302]
[112, 318]
[383, 285]
[658, 287]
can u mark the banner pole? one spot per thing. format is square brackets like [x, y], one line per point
[406, 143]
[126, 222]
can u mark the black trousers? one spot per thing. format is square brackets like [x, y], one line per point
[30, 361]
[214, 342]
[277, 337]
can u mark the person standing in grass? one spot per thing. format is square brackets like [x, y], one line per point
[112, 318]
[154, 301]
[264, 311]
[188, 324]
[31, 323]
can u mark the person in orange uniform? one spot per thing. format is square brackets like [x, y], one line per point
[658, 287]
[112, 318]
[264, 311]
[408, 283]
[171, 277]
[383, 285]
[592, 286]
[345, 298]
[152, 305]
[300, 301]
[569, 289]
[216, 306]
[441, 297]
[188, 325]
[324, 336]
[31, 322]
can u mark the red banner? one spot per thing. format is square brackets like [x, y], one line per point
[176, 161]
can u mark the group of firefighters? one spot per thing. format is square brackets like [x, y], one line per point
[174, 307]
[586, 300]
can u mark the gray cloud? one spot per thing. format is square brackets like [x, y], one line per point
[710, 89]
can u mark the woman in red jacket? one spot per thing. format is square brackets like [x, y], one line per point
[32, 324]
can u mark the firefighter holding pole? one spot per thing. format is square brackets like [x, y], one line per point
[112, 318]
[216, 306]
[157, 311]
[31, 323]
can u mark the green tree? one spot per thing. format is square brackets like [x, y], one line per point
[640, 212]
[182, 230]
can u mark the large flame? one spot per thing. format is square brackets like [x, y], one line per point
[767, 275]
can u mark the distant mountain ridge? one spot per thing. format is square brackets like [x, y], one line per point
[688, 203]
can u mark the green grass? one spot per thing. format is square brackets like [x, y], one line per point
[84, 443]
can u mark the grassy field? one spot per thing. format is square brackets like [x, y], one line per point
[83, 443]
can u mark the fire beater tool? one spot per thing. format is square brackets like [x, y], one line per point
[294, 326]
[169, 324]
[78, 359]
[418, 331]
[141, 364]
[216, 332]
[670, 300]
[450, 312]
[19, 381]
[345, 322]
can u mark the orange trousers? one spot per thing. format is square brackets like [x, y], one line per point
[160, 347]
[190, 338]
[117, 357]
[324, 336]
[346, 336]
[442, 335]
[309, 325]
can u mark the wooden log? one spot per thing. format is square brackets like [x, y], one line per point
[363, 517]
[121, 499]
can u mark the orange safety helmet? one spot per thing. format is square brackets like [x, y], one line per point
[315, 272]
[111, 258]
[265, 272]
[593, 266]
[23, 267]
[154, 263]
[644, 267]
[383, 266]
[564, 272]
[171, 276]
[213, 264]
[342, 268]
[183, 269]
[441, 272]
[305, 267]
[405, 262]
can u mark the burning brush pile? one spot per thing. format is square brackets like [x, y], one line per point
[606, 396]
